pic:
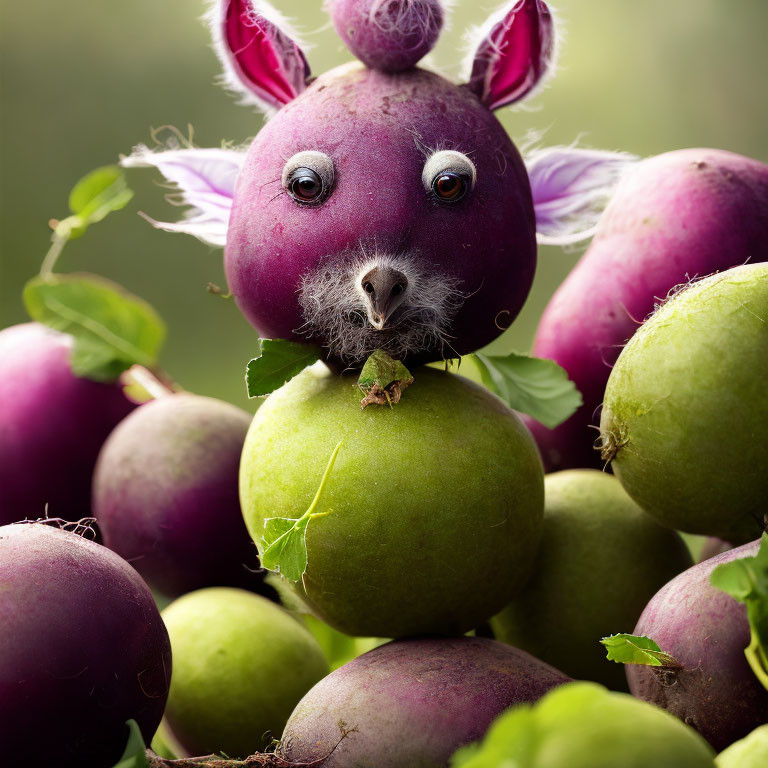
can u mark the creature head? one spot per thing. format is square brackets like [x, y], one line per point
[383, 206]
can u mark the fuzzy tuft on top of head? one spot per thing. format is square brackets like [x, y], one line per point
[334, 309]
[389, 35]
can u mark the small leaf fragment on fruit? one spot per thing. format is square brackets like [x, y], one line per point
[278, 362]
[636, 649]
[283, 546]
[383, 380]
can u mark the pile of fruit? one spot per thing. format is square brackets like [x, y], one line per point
[374, 571]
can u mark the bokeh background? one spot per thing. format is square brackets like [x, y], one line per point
[83, 81]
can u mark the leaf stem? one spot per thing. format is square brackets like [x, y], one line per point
[148, 381]
[59, 239]
[754, 655]
[324, 480]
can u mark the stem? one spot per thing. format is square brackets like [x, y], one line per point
[753, 652]
[148, 381]
[59, 240]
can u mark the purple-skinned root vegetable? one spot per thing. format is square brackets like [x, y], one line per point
[384, 210]
[82, 650]
[390, 35]
[675, 217]
[52, 426]
[713, 546]
[597, 537]
[706, 631]
[165, 494]
[685, 416]
[412, 702]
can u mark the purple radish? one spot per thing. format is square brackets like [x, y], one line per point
[52, 426]
[82, 650]
[165, 495]
[381, 210]
[412, 702]
[678, 216]
[706, 631]
[390, 35]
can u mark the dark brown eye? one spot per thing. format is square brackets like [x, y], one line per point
[449, 187]
[305, 186]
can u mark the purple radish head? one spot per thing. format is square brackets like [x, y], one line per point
[391, 35]
[381, 210]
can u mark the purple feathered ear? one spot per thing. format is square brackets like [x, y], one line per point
[261, 60]
[205, 181]
[570, 189]
[515, 51]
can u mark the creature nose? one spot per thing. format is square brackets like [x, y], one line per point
[385, 289]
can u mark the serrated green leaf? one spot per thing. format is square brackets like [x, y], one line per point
[112, 328]
[96, 195]
[746, 580]
[283, 545]
[135, 754]
[532, 385]
[278, 361]
[638, 649]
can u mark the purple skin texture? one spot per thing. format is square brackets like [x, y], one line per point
[52, 425]
[376, 128]
[82, 650]
[680, 215]
[706, 630]
[390, 35]
[413, 702]
[165, 494]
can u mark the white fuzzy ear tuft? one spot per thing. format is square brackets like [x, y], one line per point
[206, 181]
[571, 188]
[262, 60]
[512, 53]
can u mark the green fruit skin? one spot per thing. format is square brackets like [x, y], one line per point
[686, 411]
[600, 561]
[240, 665]
[434, 506]
[749, 752]
[599, 729]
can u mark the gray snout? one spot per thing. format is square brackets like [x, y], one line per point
[384, 289]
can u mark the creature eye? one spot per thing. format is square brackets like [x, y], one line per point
[308, 177]
[305, 186]
[449, 176]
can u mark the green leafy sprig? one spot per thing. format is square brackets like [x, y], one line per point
[278, 361]
[746, 580]
[284, 541]
[638, 649]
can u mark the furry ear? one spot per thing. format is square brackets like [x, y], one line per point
[256, 48]
[205, 179]
[570, 189]
[516, 48]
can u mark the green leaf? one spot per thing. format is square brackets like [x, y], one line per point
[278, 361]
[746, 580]
[95, 196]
[538, 387]
[284, 541]
[112, 328]
[382, 370]
[135, 754]
[637, 649]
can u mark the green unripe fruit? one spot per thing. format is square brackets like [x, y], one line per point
[600, 561]
[240, 665]
[685, 416]
[434, 506]
[749, 752]
[582, 725]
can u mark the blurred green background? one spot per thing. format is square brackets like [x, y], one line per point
[84, 81]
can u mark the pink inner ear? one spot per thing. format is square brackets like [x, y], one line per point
[514, 56]
[270, 62]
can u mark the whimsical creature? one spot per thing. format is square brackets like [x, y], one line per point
[383, 206]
